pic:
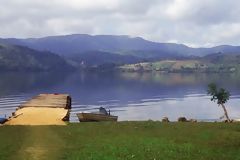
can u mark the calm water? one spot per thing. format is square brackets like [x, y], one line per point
[131, 96]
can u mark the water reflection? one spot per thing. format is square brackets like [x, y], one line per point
[22, 82]
[131, 96]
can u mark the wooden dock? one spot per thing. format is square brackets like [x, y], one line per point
[44, 109]
[50, 101]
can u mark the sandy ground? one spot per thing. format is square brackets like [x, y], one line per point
[38, 116]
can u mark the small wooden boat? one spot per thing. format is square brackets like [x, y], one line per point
[94, 117]
[100, 116]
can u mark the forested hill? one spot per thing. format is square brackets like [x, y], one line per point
[19, 58]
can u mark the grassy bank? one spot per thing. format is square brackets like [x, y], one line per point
[125, 140]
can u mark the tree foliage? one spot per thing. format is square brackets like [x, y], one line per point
[219, 95]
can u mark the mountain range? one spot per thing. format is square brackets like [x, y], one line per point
[80, 43]
[101, 49]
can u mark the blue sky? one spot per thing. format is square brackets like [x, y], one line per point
[192, 22]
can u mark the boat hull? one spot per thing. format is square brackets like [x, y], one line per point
[93, 117]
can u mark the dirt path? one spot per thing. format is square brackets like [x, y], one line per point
[40, 143]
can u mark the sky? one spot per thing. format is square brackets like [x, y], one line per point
[192, 22]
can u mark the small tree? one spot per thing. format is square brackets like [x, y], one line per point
[219, 95]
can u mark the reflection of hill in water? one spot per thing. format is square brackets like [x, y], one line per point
[19, 82]
[186, 79]
[90, 88]
[180, 78]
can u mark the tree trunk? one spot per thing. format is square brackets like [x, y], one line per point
[225, 112]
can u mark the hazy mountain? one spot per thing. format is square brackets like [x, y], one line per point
[80, 43]
[91, 58]
[19, 58]
[100, 49]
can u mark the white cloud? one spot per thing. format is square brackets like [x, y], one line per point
[194, 22]
[178, 9]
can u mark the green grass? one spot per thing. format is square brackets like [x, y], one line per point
[122, 141]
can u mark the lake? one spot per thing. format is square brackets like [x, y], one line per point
[131, 96]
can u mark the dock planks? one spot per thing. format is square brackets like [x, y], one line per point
[44, 109]
[50, 101]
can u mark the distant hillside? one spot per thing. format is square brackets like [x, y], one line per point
[19, 58]
[124, 45]
[216, 63]
[223, 58]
